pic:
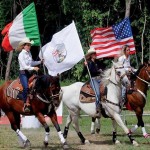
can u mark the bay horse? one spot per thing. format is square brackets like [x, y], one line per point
[45, 96]
[135, 101]
[112, 79]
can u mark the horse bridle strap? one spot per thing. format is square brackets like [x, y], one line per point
[112, 103]
[140, 78]
[43, 100]
[142, 94]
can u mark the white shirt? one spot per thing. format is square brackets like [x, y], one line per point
[25, 61]
[125, 61]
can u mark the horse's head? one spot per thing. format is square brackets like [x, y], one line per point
[49, 88]
[143, 72]
[118, 74]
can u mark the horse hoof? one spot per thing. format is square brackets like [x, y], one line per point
[135, 143]
[117, 142]
[146, 136]
[27, 144]
[45, 143]
[87, 142]
[65, 146]
[92, 132]
[97, 130]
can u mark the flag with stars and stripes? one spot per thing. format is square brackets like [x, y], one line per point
[108, 42]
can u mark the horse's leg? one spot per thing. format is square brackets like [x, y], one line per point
[14, 125]
[95, 124]
[54, 120]
[18, 121]
[66, 129]
[46, 127]
[126, 130]
[74, 116]
[114, 138]
[139, 115]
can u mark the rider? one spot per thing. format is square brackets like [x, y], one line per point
[95, 73]
[26, 64]
[125, 59]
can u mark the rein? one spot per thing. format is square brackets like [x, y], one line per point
[112, 103]
[51, 97]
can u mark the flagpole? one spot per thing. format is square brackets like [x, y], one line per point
[91, 79]
[42, 58]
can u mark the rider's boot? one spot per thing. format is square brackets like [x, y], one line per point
[98, 110]
[27, 106]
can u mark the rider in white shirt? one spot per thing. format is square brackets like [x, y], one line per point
[125, 59]
[26, 65]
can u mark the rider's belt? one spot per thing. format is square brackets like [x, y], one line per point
[23, 71]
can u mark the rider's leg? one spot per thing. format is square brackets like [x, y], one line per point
[24, 82]
[96, 84]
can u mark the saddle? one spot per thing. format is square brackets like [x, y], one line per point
[15, 87]
[87, 94]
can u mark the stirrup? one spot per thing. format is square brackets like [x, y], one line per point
[26, 108]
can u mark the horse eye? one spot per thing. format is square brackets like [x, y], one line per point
[119, 73]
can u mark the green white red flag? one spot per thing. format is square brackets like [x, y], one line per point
[24, 25]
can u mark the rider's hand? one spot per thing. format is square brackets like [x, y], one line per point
[85, 63]
[36, 68]
[42, 60]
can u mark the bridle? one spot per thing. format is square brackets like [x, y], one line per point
[143, 94]
[121, 78]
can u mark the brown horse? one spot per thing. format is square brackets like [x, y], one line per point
[45, 96]
[136, 100]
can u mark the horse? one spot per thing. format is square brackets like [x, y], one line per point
[112, 79]
[135, 101]
[46, 95]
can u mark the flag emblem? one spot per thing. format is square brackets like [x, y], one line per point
[59, 53]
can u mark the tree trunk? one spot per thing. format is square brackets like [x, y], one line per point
[8, 65]
[11, 53]
[128, 4]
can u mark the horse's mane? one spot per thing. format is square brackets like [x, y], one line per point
[105, 76]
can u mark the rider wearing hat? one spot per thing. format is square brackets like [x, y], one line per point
[94, 71]
[26, 64]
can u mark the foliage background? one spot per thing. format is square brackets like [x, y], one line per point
[56, 14]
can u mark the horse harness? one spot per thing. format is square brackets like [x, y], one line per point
[142, 81]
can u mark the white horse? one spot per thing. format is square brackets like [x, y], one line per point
[112, 78]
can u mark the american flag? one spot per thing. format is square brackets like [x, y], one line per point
[109, 41]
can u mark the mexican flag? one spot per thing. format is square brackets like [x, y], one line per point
[24, 25]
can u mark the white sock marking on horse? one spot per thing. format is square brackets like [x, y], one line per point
[46, 136]
[134, 128]
[144, 131]
[24, 138]
[61, 137]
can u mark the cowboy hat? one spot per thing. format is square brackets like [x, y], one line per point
[90, 52]
[24, 41]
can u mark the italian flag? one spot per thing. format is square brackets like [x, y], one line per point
[24, 25]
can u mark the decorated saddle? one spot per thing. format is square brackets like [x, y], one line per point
[15, 88]
[87, 94]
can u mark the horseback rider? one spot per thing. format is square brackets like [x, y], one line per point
[125, 59]
[26, 64]
[95, 73]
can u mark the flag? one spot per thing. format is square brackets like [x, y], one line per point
[24, 25]
[63, 52]
[109, 41]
